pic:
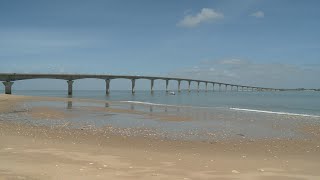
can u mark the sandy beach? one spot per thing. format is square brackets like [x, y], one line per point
[63, 151]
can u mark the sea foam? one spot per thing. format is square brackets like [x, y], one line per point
[274, 112]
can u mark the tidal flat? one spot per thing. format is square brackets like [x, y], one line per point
[68, 138]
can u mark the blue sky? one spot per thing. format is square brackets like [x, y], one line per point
[255, 42]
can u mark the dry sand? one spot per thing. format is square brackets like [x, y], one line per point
[39, 152]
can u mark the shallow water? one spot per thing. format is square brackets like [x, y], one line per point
[209, 124]
[301, 102]
[214, 115]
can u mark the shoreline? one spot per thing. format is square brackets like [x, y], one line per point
[60, 152]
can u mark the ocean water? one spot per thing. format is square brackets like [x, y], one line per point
[209, 116]
[294, 102]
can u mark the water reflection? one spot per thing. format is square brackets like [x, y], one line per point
[133, 107]
[69, 105]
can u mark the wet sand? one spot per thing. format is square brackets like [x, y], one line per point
[29, 151]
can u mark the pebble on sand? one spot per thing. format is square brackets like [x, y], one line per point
[235, 171]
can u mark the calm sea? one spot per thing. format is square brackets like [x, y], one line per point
[299, 102]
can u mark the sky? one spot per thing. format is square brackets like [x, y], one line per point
[267, 43]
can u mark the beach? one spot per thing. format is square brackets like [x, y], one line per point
[67, 138]
[159, 90]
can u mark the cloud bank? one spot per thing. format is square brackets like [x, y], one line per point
[35, 42]
[206, 15]
[244, 72]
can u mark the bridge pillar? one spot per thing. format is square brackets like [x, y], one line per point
[242, 88]
[206, 87]
[70, 82]
[198, 87]
[189, 84]
[152, 83]
[179, 83]
[133, 84]
[219, 87]
[108, 86]
[7, 85]
[237, 88]
[167, 84]
[212, 86]
[226, 88]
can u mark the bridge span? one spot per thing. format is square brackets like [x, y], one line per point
[9, 78]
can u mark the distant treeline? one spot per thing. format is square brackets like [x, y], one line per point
[300, 89]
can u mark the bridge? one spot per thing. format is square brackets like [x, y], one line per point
[9, 78]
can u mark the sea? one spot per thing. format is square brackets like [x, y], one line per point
[304, 103]
[210, 116]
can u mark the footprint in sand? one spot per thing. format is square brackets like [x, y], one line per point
[168, 163]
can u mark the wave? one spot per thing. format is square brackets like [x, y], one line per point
[275, 112]
[170, 105]
[149, 103]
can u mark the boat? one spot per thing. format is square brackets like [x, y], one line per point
[172, 93]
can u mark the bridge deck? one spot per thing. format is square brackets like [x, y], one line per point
[18, 76]
[9, 78]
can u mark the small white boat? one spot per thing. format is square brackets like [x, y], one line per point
[172, 93]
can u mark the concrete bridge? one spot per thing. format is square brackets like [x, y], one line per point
[9, 78]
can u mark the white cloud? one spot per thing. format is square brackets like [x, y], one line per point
[206, 15]
[258, 14]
